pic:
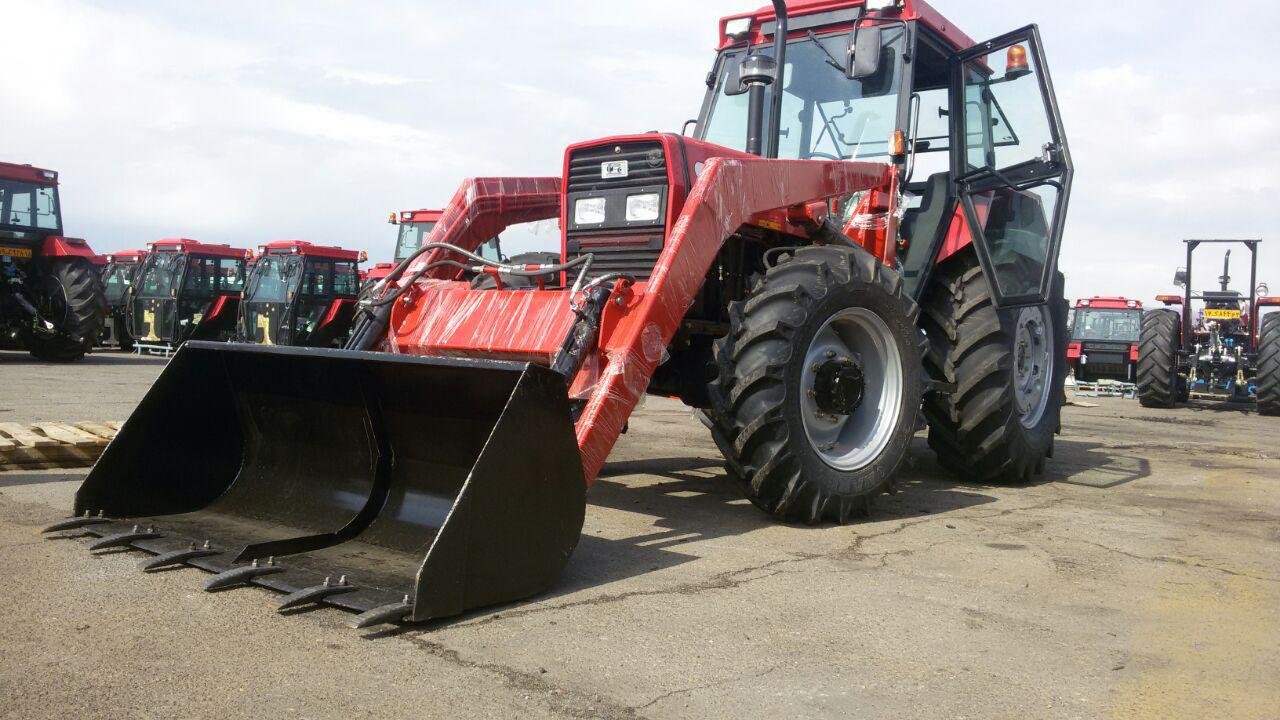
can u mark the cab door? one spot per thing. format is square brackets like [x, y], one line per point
[1011, 164]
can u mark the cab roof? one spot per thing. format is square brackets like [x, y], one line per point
[417, 216]
[28, 173]
[1109, 302]
[797, 9]
[302, 247]
[196, 247]
[126, 256]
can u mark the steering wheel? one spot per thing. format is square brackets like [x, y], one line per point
[824, 156]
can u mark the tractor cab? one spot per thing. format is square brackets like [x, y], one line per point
[413, 229]
[185, 290]
[300, 294]
[1104, 338]
[118, 278]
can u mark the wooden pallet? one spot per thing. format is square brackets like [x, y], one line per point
[53, 444]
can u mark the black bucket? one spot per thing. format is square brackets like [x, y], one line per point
[454, 482]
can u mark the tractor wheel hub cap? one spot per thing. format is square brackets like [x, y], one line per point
[851, 389]
[1032, 364]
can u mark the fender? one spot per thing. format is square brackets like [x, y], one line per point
[57, 246]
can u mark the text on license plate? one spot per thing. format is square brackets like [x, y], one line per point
[1218, 314]
[15, 251]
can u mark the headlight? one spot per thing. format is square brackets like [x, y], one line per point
[589, 211]
[643, 207]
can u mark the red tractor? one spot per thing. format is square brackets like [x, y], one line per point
[1227, 351]
[51, 297]
[413, 228]
[118, 277]
[1104, 339]
[185, 290]
[789, 269]
[300, 294]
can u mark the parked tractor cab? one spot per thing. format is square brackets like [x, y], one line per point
[1104, 339]
[765, 268]
[300, 294]
[1223, 350]
[51, 298]
[118, 278]
[413, 227]
[185, 290]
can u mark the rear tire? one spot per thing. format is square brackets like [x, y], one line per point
[1008, 368]
[73, 296]
[1269, 366]
[825, 338]
[1159, 385]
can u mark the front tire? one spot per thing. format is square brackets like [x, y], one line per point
[818, 385]
[1159, 385]
[72, 298]
[1007, 368]
[1269, 366]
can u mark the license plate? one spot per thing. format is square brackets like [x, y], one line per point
[1217, 314]
[613, 169]
[15, 252]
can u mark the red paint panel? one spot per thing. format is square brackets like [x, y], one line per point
[59, 246]
[334, 308]
[1073, 351]
[302, 247]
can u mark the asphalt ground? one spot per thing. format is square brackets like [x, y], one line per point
[1139, 578]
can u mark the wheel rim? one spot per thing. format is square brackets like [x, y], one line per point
[1032, 364]
[852, 387]
[52, 301]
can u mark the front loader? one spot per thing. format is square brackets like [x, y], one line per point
[797, 276]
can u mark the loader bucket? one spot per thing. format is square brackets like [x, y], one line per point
[357, 479]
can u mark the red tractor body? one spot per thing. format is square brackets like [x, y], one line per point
[1104, 339]
[298, 293]
[184, 290]
[414, 226]
[118, 277]
[802, 278]
[51, 298]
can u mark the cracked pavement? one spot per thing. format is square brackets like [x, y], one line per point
[1139, 578]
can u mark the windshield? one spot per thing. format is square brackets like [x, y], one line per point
[160, 274]
[117, 280]
[411, 237]
[29, 206]
[274, 278]
[1117, 325]
[825, 115]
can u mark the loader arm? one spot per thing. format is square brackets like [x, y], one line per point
[445, 319]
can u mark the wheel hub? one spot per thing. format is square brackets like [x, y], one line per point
[1032, 364]
[851, 389]
[839, 385]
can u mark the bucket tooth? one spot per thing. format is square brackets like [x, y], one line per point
[241, 575]
[315, 593]
[124, 539]
[389, 613]
[72, 523]
[177, 557]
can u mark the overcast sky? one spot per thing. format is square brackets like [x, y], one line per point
[244, 122]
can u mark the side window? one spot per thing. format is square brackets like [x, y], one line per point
[201, 278]
[346, 279]
[318, 279]
[230, 275]
[1001, 94]
[18, 208]
[47, 208]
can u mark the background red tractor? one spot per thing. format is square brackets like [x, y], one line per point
[118, 278]
[1225, 350]
[300, 294]
[51, 297]
[186, 290]
[1104, 339]
[791, 269]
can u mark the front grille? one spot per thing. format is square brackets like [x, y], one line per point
[646, 165]
[618, 247]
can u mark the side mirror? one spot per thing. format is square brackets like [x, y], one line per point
[1180, 278]
[864, 52]
[733, 78]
